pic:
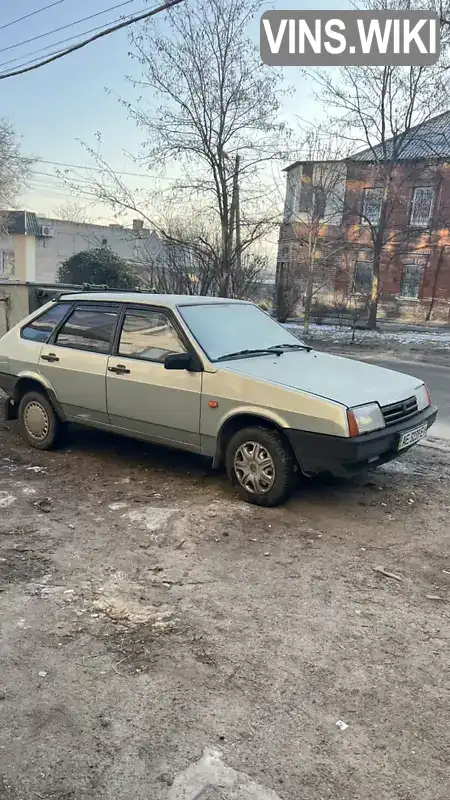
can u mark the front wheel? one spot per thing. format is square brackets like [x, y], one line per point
[39, 424]
[261, 465]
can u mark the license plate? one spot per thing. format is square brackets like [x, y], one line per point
[411, 437]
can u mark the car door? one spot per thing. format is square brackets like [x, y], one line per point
[75, 360]
[143, 397]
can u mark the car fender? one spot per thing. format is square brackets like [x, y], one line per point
[266, 414]
[45, 383]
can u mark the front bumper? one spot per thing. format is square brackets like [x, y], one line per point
[344, 456]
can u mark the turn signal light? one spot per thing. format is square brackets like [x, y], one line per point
[353, 428]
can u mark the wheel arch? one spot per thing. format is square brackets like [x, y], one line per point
[244, 419]
[30, 382]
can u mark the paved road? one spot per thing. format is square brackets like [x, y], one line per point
[437, 379]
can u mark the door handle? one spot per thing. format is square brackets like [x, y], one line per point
[119, 370]
[51, 357]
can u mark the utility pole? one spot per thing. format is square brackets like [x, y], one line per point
[238, 216]
[235, 222]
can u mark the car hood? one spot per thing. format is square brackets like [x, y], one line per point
[340, 379]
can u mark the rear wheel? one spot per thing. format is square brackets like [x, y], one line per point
[261, 465]
[39, 424]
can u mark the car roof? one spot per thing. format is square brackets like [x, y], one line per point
[147, 298]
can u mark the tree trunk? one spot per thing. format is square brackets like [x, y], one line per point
[224, 278]
[435, 284]
[281, 306]
[375, 290]
[308, 299]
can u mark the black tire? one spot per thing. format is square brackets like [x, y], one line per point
[280, 479]
[39, 424]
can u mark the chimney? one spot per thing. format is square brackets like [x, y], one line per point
[138, 225]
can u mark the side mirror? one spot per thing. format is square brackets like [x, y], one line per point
[181, 361]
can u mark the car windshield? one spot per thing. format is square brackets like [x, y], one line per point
[235, 330]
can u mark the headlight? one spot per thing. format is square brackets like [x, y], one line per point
[423, 397]
[366, 418]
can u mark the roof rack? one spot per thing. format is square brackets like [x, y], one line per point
[84, 287]
[103, 287]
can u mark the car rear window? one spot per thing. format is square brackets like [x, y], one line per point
[42, 328]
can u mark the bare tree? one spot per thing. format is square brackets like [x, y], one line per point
[383, 109]
[288, 288]
[72, 212]
[218, 111]
[208, 105]
[186, 262]
[183, 265]
[14, 167]
[314, 215]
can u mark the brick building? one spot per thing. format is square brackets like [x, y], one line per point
[332, 215]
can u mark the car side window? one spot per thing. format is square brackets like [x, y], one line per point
[88, 329]
[148, 335]
[42, 328]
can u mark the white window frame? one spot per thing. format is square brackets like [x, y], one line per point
[421, 223]
[366, 218]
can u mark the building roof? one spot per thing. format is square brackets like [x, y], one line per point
[22, 223]
[148, 298]
[427, 141]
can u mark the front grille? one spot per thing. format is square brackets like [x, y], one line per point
[399, 412]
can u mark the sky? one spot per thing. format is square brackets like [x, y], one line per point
[62, 104]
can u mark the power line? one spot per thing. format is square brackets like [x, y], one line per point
[168, 4]
[99, 169]
[56, 44]
[31, 14]
[69, 25]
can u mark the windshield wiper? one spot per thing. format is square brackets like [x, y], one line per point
[298, 346]
[260, 351]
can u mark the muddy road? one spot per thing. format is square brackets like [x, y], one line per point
[146, 615]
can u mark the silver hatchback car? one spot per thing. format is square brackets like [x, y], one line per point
[215, 376]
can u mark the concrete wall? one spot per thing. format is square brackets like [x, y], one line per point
[70, 238]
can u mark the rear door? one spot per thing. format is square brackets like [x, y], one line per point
[75, 359]
[143, 397]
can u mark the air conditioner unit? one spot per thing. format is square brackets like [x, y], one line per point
[47, 231]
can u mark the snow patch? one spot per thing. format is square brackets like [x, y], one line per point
[150, 517]
[117, 506]
[204, 777]
[342, 335]
[6, 499]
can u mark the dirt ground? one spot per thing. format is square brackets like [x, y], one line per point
[147, 614]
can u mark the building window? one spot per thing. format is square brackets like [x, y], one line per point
[411, 281]
[320, 201]
[305, 200]
[371, 206]
[88, 329]
[6, 262]
[362, 279]
[422, 206]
